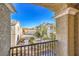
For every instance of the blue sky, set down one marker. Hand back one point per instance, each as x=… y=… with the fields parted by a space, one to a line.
x=31 y=15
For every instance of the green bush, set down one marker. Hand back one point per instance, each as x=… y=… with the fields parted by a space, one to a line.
x=31 y=40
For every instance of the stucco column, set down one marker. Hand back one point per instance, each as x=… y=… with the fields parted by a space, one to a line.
x=76 y=36
x=5 y=29
x=65 y=31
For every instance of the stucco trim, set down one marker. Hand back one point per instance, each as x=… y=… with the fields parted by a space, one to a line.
x=10 y=7
x=68 y=10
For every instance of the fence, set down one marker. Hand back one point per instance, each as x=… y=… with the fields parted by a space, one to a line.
x=37 y=49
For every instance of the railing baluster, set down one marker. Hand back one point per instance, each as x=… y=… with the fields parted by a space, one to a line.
x=52 y=48
x=31 y=50
x=45 y=49
x=25 y=51
x=12 y=51
x=39 y=49
x=28 y=50
x=48 y=49
x=20 y=51
x=34 y=51
x=16 y=51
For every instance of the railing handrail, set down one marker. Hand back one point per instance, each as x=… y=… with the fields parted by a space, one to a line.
x=33 y=44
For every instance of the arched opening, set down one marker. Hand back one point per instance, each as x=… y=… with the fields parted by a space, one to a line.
x=33 y=17
x=38 y=22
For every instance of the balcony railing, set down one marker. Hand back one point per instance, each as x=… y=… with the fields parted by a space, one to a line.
x=37 y=49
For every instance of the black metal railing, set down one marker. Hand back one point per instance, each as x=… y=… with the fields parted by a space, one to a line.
x=37 y=49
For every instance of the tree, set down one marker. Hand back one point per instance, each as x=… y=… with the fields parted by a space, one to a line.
x=31 y=40
x=53 y=36
x=41 y=32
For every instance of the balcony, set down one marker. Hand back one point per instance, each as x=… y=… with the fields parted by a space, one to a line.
x=38 y=49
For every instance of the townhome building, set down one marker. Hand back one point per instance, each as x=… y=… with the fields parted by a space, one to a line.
x=16 y=32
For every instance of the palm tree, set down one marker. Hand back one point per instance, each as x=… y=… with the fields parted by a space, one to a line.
x=41 y=32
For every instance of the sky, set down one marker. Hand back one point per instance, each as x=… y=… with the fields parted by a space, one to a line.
x=31 y=15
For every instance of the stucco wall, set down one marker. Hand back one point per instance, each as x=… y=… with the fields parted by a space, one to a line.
x=5 y=37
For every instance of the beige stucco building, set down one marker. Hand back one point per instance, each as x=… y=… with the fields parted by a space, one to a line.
x=5 y=33
x=16 y=32
x=26 y=34
x=28 y=31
